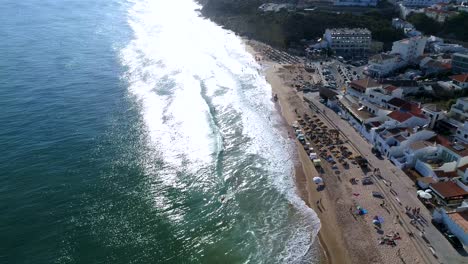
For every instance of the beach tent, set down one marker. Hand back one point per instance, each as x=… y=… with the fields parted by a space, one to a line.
x=361 y=211
x=317 y=180
x=424 y=195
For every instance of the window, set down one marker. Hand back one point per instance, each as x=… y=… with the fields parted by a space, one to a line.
x=465 y=136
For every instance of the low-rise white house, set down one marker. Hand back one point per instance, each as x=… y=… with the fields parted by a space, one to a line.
x=462 y=132
x=459 y=110
x=456 y=221
x=433 y=113
x=448 y=48
x=384 y=64
x=404 y=52
x=460 y=81
x=358 y=88
x=399 y=23
x=394 y=142
x=435 y=66
x=407 y=119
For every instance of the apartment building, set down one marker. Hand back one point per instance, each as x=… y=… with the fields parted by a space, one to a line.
x=349 y=41
x=422 y=3
x=460 y=63
x=355 y=2
x=409 y=49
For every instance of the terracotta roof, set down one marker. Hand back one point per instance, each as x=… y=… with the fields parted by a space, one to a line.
x=363 y=84
x=448 y=189
x=400 y=116
x=390 y=88
x=460 y=148
x=463 y=168
x=460 y=77
x=460 y=218
x=398 y=102
x=442 y=140
x=420 y=145
x=376 y=124
x=427 y=180
x=400 y=138
x=412 y=108
x=446 y=174
x=381 y=57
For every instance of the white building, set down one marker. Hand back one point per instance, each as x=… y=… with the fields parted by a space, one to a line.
x=409 y=49
x=399 y=23
x=393 y=142
x=433 y=113
x=384 y=64
x=348 y=41
x=460 y=63
x=355 y=2
x=422 y=3
x=448 y=48
x=358 y=88
x=459 y=110
x=460 y=81
x=462 y=133
x=456 y=221
x=407 y=119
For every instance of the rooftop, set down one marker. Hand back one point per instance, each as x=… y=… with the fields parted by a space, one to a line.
x=460 y=218
x=363 y=84
x=463 y=78
x=461 y=55
x=382 y=57
x=448 y=189
x=420 y=145
x=432 y=108
x=460 y=149
x=400 y=138
x=397 y=102
x=400 y=116
x=349 y=31
x=446 y=174
x=390 y=88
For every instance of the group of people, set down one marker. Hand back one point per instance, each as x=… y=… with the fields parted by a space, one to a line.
x=413 y=211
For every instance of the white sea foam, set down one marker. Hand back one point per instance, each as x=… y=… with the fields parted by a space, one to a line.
x=174 y=45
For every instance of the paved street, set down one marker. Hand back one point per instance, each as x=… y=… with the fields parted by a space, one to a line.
x=403 y=187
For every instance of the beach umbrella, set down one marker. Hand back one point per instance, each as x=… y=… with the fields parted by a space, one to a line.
x=424 y=195
x=317 y=180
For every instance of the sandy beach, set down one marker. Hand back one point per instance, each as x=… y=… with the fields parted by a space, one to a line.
x=288 y=101
x=345 y=236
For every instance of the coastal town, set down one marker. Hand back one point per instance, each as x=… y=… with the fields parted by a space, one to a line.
x=382 y=137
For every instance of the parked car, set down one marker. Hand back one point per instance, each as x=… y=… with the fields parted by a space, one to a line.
x=378 y=195
x=453 y=240
x=367 y=181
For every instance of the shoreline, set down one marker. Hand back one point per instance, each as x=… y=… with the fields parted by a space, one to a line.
x=346 y=208
x=329 y=235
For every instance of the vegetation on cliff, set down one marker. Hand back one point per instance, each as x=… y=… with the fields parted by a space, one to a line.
x=286 y=29
x=454 y=28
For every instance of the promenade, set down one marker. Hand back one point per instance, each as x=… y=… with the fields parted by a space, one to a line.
x=399 y=191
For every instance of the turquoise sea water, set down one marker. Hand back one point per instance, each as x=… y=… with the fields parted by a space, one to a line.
x=138 y=132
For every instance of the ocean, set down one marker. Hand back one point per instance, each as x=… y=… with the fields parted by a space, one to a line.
x=139 y=132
